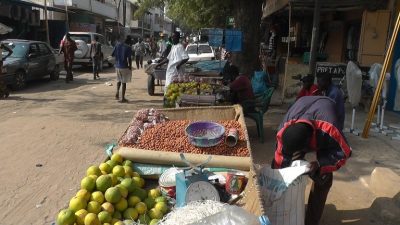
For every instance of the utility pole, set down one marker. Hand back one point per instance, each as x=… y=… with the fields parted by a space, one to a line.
x=124 y=13
x=66 y=16
x=46 y=22
x=314 y=39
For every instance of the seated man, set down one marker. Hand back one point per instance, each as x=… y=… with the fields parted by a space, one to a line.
x=311 y=125
x=241 y=88
x=309 y=88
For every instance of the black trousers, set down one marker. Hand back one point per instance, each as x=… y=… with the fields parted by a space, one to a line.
x=316 y=201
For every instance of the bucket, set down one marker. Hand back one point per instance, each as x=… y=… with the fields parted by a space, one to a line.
x=167 y=182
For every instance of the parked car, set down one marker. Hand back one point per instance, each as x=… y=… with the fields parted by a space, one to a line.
x=82 y=54
x=200 y=52
x=29 y=60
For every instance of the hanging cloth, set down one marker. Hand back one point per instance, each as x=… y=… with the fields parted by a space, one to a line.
x=233 y=40
x=354 y=83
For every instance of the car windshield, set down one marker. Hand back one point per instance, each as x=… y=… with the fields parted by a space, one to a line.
x=83 y=37
x=192 y=49
x=19 y=49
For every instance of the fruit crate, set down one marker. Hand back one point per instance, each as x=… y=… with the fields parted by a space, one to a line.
x=250 y=199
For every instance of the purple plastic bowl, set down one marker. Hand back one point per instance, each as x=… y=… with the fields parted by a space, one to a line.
x=205 y=134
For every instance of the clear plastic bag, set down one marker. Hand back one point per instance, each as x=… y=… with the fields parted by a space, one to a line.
x=233 y=215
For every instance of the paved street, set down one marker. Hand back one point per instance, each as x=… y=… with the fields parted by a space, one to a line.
x=51 y=132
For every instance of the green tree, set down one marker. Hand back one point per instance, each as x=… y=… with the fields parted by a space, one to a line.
x=197 y=14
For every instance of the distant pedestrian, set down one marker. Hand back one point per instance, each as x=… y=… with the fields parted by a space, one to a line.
x=4 y=92
x=309 y=88
x=329 y=89
x=96 y=54
x=68 y=47
x=123 y=66
x=176 y=58
x=140 y=50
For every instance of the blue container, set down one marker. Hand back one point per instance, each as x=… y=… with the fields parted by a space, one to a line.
x=205 y=134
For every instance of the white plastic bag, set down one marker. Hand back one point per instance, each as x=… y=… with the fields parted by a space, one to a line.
x=283 y=193
x=354 y=83
x=232 y=215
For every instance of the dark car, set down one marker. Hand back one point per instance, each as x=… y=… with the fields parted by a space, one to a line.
x=30 y=60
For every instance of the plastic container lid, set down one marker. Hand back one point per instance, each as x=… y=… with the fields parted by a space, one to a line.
x=167 y=179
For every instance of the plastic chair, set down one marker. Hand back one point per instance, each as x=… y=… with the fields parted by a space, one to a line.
x=255 y=110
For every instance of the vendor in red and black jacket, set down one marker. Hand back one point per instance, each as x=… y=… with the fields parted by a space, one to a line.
x=311 y=125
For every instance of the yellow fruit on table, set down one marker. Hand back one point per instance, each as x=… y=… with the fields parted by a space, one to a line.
x=155 y=214
x=106 y=223
x=142 y=182
x=128 y=170
x=80 y=216
x=97 y=196
x=118 y=171
x=162 y=206
x=103 y=183
x=104 y=217
x=123 y=190
x=112 y=164
x=129 y=184
x=117 y=215
x=119 y=223
x=136 y=181
x=117 y=158
x=141 y=193
x=154 y=221
x=66 y=217
x=92 y=219
x=121 y=205
x=144 y=219
x=94 y=177
x=141 y=208
x=88 y=183
x=105 y=167
x=133 y=200
x=135 y=174
x=93 y=170
x=149 y=202
x=114 y=179
x=161 y=199
x=83 y=193
x=127 y=163
x=93 y=207
x=77 y=203
x=154 y=193
x=131 y=214
x=113 y=195
x=106 y=206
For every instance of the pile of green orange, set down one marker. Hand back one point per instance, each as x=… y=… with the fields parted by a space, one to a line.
x=112 y=193
x=175 y=90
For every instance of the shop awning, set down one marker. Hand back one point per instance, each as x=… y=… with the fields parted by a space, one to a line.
x=273 y=6
x=36 y=5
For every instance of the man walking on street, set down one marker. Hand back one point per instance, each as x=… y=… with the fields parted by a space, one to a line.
x=123 y=66
x=311 y=125
x=140 y=50
x=95 y=53
x=68 y=47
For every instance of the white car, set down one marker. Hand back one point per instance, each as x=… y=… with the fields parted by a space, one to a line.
x=200 y=52
x=82 y=54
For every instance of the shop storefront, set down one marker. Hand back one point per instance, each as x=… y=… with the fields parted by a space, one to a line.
x=349 y=30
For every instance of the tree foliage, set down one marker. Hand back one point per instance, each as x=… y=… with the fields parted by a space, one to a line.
x=191 y=13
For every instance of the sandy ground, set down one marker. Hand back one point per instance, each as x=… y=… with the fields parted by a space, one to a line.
x=51 y=132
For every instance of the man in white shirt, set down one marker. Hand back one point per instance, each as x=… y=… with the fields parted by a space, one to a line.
x=177 y=57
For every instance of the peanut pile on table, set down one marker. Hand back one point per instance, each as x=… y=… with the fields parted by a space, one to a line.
x=170 y=136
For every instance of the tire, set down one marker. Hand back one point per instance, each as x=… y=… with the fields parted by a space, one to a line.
x=55 y=74
x=150 y=85
x=19 y=80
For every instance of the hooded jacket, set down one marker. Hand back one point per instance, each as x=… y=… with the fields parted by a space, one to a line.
x=327 y=141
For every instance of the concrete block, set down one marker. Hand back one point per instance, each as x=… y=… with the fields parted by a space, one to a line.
x=384 y=182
